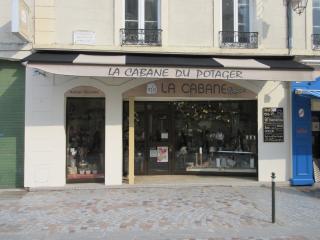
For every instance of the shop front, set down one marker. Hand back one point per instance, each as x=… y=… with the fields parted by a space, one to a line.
x=207 y=127
x=85 y=135
x=98 y=118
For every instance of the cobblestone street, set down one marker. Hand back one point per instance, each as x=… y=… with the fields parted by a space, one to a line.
x=185 y=212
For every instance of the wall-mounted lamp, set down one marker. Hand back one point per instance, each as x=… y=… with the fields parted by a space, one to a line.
x=299 y=5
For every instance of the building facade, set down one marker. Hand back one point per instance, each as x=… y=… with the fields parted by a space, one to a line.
x=12 y=94
x=122 y=88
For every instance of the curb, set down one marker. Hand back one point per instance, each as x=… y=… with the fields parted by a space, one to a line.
x=148 y=186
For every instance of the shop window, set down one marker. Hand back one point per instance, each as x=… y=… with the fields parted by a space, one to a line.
x=85 y=131
x=193 y=137
x=216 y=136
x=142 y=24
x=236 y=25
x=316 y=24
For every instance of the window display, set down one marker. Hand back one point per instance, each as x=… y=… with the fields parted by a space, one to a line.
x=85 y=139
x=193 y=137
x=216 y=136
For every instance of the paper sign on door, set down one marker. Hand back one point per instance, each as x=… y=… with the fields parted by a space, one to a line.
x=163 y=154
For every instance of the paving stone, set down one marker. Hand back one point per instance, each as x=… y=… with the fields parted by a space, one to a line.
x=210 y=212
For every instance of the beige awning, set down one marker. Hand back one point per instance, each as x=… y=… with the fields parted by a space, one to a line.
x=157 y=66
x=173 y=72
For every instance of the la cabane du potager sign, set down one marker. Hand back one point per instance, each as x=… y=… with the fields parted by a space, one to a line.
x=160 y=72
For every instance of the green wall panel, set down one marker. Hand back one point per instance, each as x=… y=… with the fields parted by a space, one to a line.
x=12 y=89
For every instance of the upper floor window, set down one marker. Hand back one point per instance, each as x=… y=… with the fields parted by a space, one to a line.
x=142 y=22
x=235 y=15
x=236 y=25
x=316 y=24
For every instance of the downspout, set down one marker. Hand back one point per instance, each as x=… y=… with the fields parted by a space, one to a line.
x=289 y=27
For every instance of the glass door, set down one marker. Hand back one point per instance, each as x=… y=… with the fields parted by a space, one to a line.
x=159 y=138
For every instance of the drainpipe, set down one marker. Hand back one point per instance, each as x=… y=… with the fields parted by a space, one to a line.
x=289 y=27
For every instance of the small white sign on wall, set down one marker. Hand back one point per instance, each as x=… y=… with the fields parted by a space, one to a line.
x=84 y=38
x=152 y=88
x=20 y=19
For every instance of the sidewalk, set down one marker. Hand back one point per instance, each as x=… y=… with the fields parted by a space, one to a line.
x=176 y=212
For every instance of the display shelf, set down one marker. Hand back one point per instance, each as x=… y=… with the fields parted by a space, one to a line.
x=231 y=170
x=85 y=176
x=234 y=152
x=225 y=161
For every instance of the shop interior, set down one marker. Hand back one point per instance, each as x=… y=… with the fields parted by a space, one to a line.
x=193 y=137
x=85 y=130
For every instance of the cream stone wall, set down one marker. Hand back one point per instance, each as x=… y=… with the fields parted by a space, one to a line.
x=274 y=157
x=189 y=26
x=190 y=23
x=11 y=46
x=85 y=15
x=271 y=24
x=45 y=137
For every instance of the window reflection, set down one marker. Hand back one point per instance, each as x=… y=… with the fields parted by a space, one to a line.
x=212 y=135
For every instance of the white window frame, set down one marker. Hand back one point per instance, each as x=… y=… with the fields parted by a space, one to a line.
x=141 y=14
x=318 y=23
x=235 y=15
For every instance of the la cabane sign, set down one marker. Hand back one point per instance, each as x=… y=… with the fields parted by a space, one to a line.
x=160 y=72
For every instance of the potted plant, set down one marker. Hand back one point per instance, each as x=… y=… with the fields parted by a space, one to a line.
x=94 y=169
x=81 y=170
x=88 y=171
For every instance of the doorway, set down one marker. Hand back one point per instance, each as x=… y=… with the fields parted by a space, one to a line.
x=85 y=132
x=316 y=144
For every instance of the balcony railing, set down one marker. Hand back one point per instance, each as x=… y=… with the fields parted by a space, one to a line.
x=141 y=37
x=230 y=39
x=316 y=41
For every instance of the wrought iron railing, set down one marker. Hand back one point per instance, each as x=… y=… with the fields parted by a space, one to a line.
x=316 y=41
x=229 y=39
x=141 y=37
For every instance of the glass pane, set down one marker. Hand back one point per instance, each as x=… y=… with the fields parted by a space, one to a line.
x=243 y=16
x=159 y=142
x=85 y=138
x=131 y=10
x=316 y=30
x=151 y=10
x=215 y=135
x=316 y=3
x=316 y=20
x=151 y=25
x=131 y=33
x=227 y=15
x=139 y=138
x=131 y=25
x=139 y=156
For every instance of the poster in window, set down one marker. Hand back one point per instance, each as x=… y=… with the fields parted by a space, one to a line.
x=163 y=154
